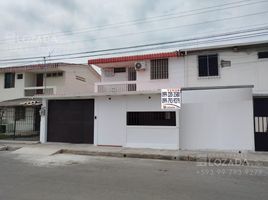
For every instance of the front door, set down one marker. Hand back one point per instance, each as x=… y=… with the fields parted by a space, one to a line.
x=261 y=124
x=39 y=83
x=132 y=75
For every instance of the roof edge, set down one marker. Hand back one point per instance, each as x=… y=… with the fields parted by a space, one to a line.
x=134 y=57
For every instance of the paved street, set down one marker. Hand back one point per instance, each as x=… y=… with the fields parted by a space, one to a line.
x=31 y=177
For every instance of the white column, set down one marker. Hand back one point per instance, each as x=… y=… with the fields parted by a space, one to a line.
x=43 y=122
x=178 y=127
x=95 y=87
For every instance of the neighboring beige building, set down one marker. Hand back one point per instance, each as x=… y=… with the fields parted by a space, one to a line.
x=22 y=87
x=50 y=79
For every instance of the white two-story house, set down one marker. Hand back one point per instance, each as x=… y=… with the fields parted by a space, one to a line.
x=224 y=101
x=22 y=87
x=227 y=66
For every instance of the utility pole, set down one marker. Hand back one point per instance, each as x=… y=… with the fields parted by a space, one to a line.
x=45 y=65
x=45 y=76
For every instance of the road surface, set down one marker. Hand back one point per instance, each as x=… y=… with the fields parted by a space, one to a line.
x=64 y=177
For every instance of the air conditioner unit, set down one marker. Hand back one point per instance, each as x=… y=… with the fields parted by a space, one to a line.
x=140 y=66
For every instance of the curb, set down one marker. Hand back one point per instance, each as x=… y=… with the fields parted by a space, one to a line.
x=9 y=148
x=205 y=159
x=18 y=142
x=118 y=154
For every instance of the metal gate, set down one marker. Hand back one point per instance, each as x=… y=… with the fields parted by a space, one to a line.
x=20 y=122
x=71 y=121
x=261 y=123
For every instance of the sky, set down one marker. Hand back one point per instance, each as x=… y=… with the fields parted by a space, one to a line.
x=51 y=27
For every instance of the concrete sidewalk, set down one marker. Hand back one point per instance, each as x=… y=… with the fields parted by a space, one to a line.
x=212 y=157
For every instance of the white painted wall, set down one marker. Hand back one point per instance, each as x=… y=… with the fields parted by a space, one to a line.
x=246 y=69
x=175 y=80
x=111 y=120
x=144 y=82
x=30 y=79
x=166 y=137
x=123 y=76
x=43 y=121
x=215 y=119
x=11 y=93
x=219 y=119
x=111 y=128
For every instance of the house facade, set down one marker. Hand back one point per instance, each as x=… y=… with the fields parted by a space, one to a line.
x=224 y=101
x=49 y=79
x=230 y=66
x=22 y=87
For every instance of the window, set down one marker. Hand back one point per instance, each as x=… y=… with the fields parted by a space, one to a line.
x=19 y=76
x=159 y=69
x=9 y=80
x=119 y=70
x=263 y=54
x=208 y=65
x=19 y=112
x=151 y=118
x=54 y=74
x=108 y=72
x=80 y=78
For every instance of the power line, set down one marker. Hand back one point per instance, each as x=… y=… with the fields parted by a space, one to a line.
x=155 y=30
x=142 y=47
x=145 y=45
x=257 y=26
x=147 y=49
x=133 y=51
x=144 y=20
x=163 y=43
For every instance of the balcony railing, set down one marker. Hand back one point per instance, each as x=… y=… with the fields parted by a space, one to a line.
x=39 y=91
x=120 y=86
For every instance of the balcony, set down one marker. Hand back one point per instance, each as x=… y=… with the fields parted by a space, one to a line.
x=39 y=91
x=120 y=86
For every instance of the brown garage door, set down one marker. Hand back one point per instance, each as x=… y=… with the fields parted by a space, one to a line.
x=71 y=121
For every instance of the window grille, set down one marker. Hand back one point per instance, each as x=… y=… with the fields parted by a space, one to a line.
x=164 y=118
x=159 y=69
x=119 y=70
x=263 y=54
